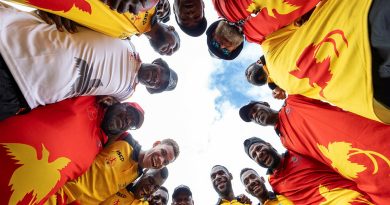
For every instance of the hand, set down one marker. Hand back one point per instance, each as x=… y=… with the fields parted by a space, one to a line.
x=106 y=100
x=244 y=199
x=134 y=57
x=279 y=93
x=60 y=22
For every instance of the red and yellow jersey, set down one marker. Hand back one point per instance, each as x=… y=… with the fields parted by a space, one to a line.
x=113 y=169
x=47 y=147
x=97 y=16
x=353 y=146
x=280 y=200
x=304 y=180
x=328 y=58
x=271 y=16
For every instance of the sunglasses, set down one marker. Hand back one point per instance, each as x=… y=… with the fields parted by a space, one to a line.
x=216 y=45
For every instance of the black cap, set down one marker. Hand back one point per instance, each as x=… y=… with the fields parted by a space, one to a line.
x=244 y=111
x=250 y=141
x=180 y=189
x=217 y=52
x=168 y=74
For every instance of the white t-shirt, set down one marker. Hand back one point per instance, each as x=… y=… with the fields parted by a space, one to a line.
x=50 y=66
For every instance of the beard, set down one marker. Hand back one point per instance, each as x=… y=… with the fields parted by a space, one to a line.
x=275 y=162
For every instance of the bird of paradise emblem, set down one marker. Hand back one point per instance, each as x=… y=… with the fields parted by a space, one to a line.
x=35 y=176
x=275 y=6
x=315 y=65
x=340 y=152
x=342 y=196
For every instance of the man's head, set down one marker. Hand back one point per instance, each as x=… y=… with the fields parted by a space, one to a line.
x=254 y=184
x=163 y=10
x=164 y=39
x=190 y=16
x=161 y=154
x=222 y=180
x=224 y=40
x=182 y=195
x=157 y=76
x=260 y=113
x=149 y=182
x=160 y=197
x=255 y=74
x=262 y=153
x=120 y=117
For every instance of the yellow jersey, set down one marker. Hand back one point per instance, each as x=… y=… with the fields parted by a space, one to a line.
x=328 y=58
x=113 y=169
x=97 y=16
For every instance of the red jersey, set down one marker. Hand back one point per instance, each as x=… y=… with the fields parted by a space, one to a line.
x=43 y=149
x=304 y=180
x=273 y=15
x=354 y=146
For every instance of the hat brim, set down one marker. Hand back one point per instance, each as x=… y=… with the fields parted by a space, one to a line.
x=181 y=190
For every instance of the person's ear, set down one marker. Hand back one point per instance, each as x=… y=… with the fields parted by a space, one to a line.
x=156 y=143
x=262 y=179
x=231 y=176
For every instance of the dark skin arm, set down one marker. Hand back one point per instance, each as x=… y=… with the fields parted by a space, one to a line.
x=244 y=199
x=122 y=6
x=60 y=22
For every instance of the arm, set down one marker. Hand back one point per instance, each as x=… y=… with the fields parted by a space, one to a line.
x=59 y=21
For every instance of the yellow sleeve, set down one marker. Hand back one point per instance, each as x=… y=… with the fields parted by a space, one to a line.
x=96 y=15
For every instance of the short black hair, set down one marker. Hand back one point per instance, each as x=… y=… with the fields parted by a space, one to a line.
x=220 y=166
x=245 y=170
x=164 y=189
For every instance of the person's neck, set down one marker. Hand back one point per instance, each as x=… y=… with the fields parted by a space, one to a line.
x=153 y=31
x=263 y=198
x=230 y=196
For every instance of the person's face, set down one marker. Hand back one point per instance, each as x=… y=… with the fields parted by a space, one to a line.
x=183 y=199
x=188 y=12
x=227 y=36
x=221 y=180
x=255 y=76
x=264 y=154
x=118 y=118
x=165 y=42
x=159 y=156
x=263 y=115
x=152 y=75
x=254 y=184
x=160 y=197
x=148 y=184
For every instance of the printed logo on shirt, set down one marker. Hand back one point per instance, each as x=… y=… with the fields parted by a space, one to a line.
x=83 y=84
x=63 y=5
x=119 y=153
x=145 y=20
x=315 y=61
x=280 y=6
x=110 y=160
x=121 y=195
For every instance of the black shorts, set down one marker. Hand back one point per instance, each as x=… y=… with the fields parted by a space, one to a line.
x=12 y=101
x=379 y=25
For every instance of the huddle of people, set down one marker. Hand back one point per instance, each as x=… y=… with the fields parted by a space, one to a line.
x=65 y=119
